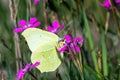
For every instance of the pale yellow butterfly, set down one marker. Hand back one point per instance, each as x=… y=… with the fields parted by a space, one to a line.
x=43 y=46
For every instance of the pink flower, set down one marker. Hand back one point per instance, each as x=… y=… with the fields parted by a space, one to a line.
x=106 y=3
x=117 y=1
x=77 y=41
x=36 y=1
x=21 y=72
x=72 y=44
x=55 y=27
x=24 y=25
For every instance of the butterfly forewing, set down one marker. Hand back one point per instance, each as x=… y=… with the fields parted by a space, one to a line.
x=37 y=37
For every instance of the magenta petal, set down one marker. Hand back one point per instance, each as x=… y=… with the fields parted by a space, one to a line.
x=34 y=65
x=77 y=49
x=50 y=28
x=68 y=38
x=55 y=27
x=36 y=24
x=117 y=1
x=20 y=74
x=61 y=26
x=55 y=24
x=64 y=48
x=32 y=20
x=105 y=4
x=71 y=45
x=36 y=1
x=78 y=40
x=18 y=30
x=22 y=23
x=26 y=67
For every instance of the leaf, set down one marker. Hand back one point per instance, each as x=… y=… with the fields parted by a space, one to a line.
x=43 y=46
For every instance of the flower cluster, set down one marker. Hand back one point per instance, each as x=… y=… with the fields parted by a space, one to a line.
x=71 y=44
x=55 y=27
x=21 y=73
x=106 y=3
x=24 y=25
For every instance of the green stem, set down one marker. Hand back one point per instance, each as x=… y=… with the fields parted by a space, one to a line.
x=90 y=42
x=104 y=54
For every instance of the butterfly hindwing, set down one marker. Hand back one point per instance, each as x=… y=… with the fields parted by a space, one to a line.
x=49 y=60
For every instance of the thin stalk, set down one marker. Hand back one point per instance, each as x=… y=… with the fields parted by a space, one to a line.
x=78 y=62
x=2 y=74
x=63 y=68
x=92 y=17
x=107 y=22
x=57 y=75
x=3 y=42
x=32 y=75
x=119 y=72
x=78 y=65
x=28 y=10
x=99 y=11
x=104 y=50
x=74 y=28
x=44 y=13
x=81 y=65
x=13 y=11
x=30 y=7
x=115 y=17
x=99 y=54
x=17 y=50
x=92 y=72
x=104 y=54
x=90 y=42
x=65 y=71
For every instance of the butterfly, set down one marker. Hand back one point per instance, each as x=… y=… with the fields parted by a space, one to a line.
x=43 y=47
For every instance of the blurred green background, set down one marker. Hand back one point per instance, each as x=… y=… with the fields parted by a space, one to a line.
x=99 y=27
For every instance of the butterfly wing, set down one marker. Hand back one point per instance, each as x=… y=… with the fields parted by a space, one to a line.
x=49 y=59
x=37 y=37
x=43 y=46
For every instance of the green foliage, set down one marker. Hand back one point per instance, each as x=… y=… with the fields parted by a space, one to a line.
x=81 y=17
